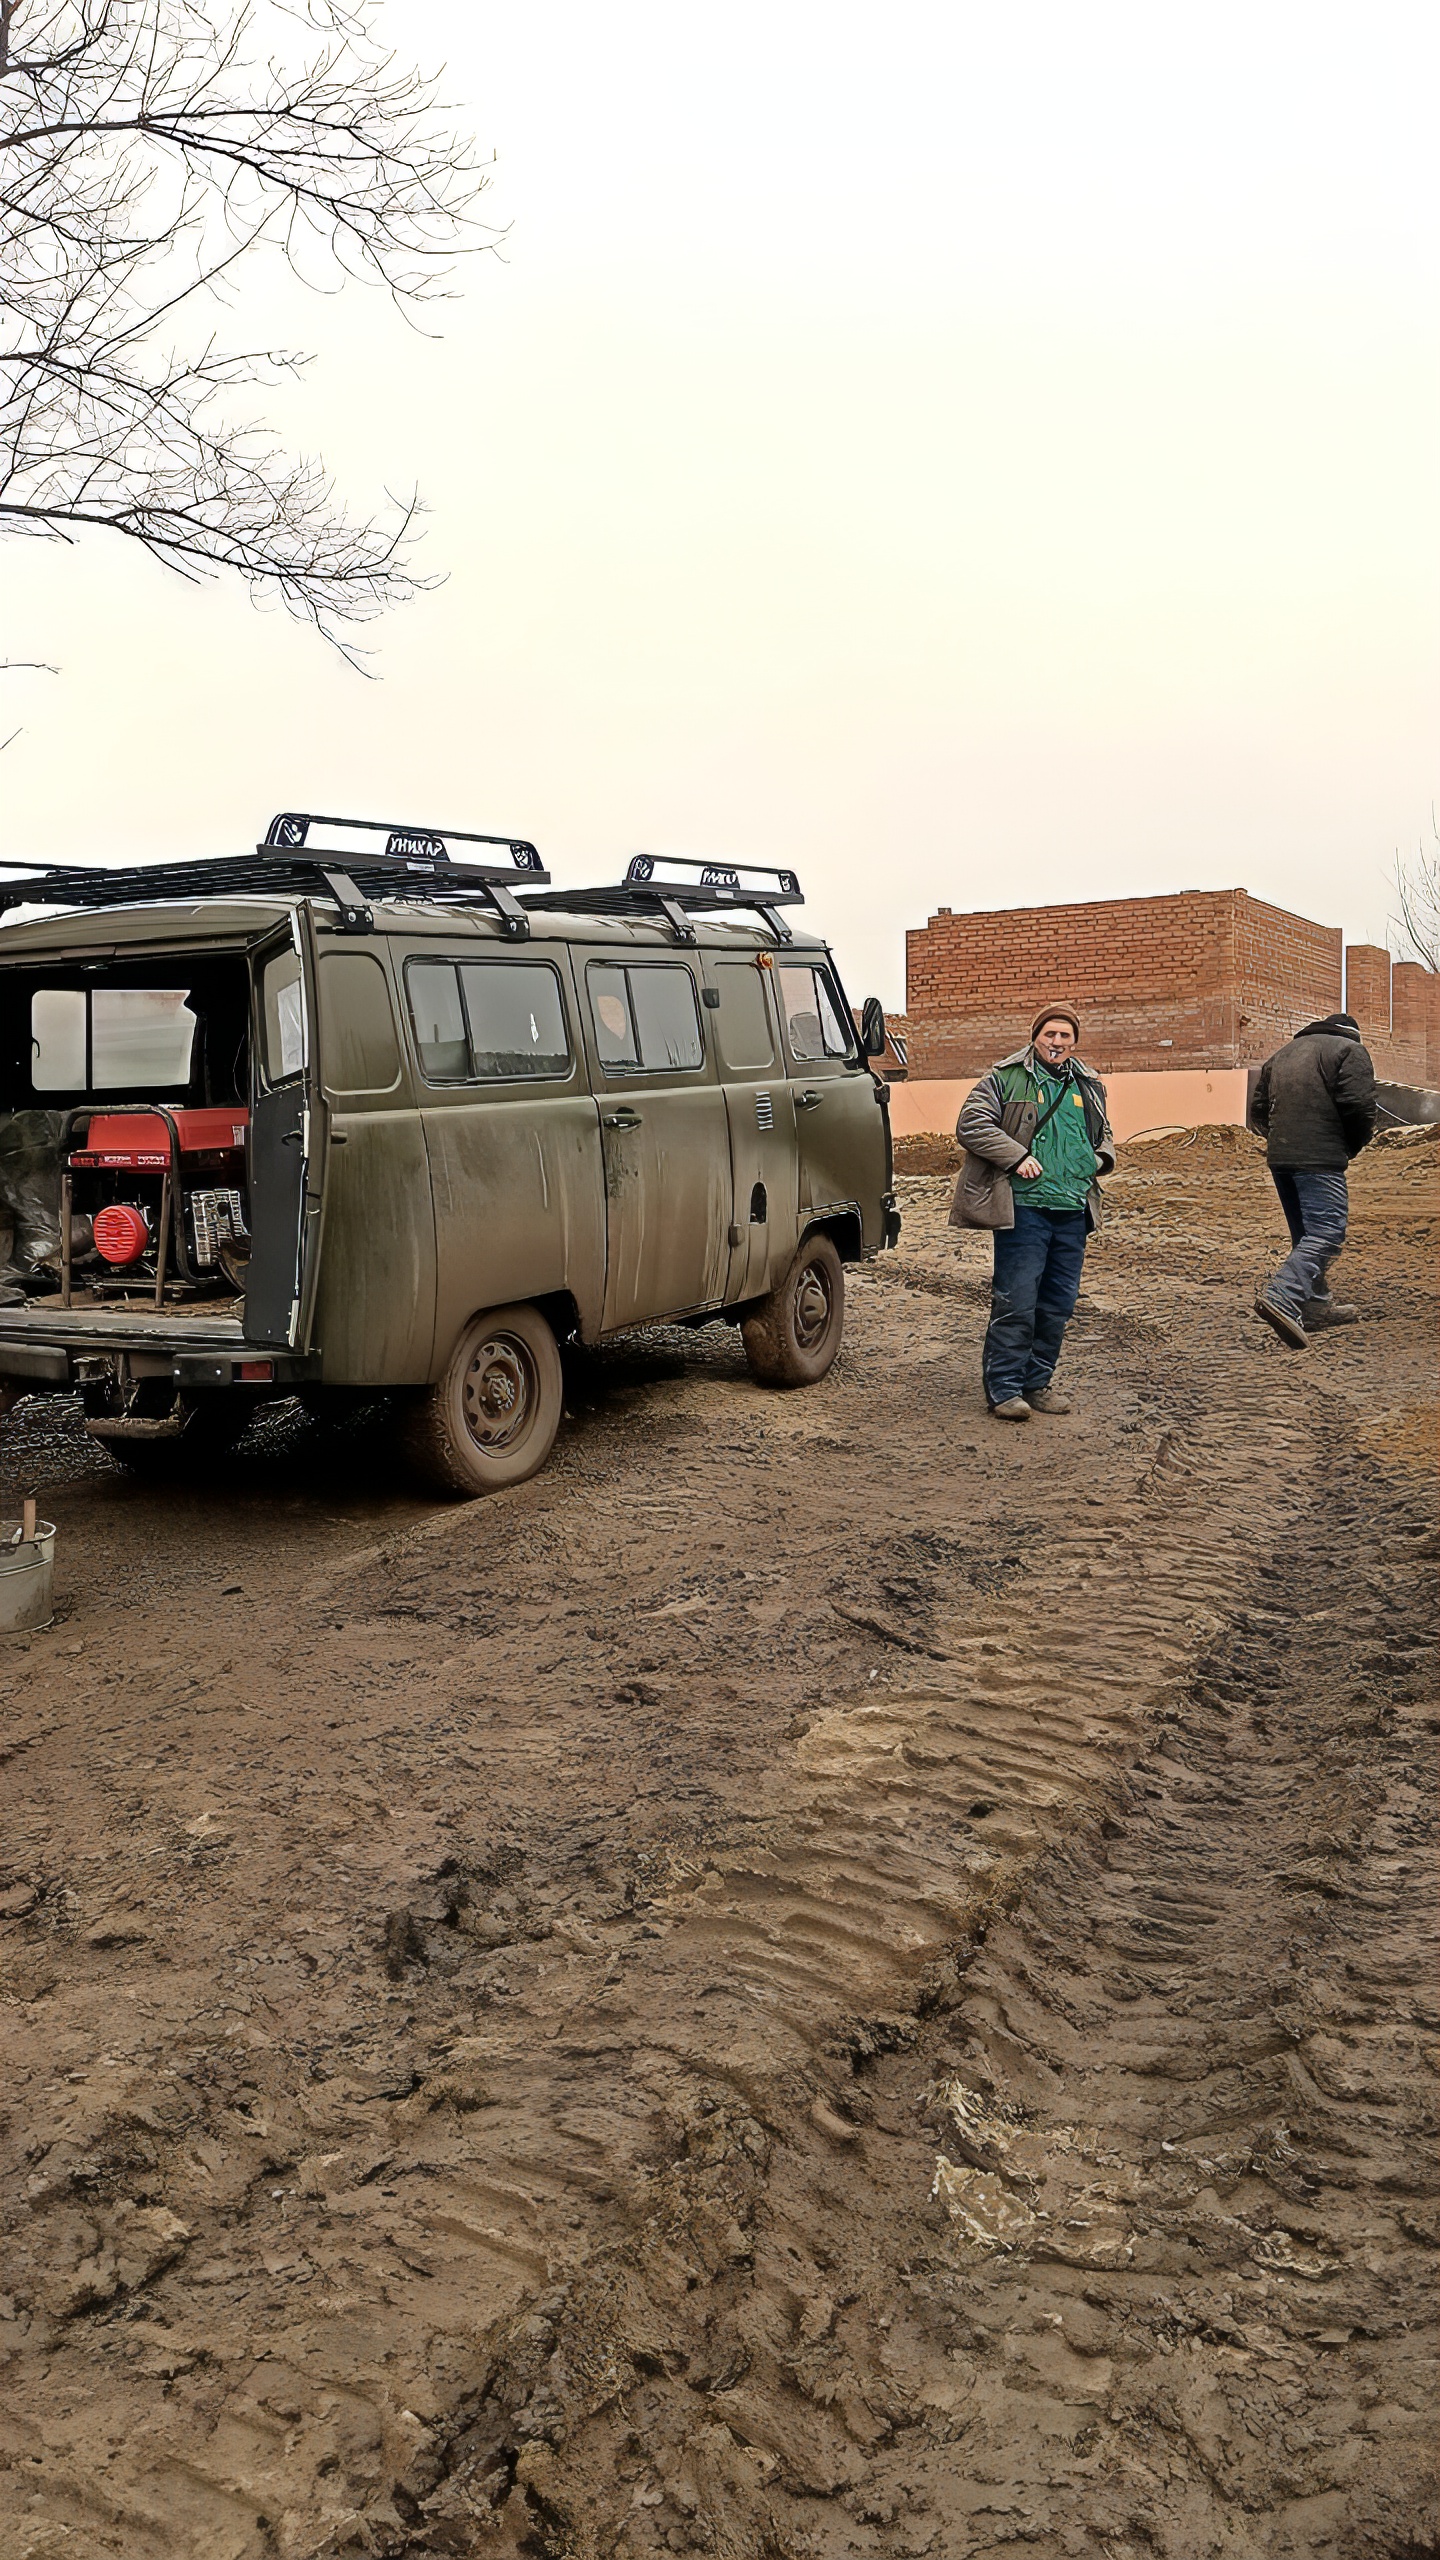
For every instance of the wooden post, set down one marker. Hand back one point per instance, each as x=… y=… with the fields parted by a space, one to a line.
x=66 y=1190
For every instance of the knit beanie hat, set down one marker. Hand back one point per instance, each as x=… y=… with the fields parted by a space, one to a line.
x=1055 y=1013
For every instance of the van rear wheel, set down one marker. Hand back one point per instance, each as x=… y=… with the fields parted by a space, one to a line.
x=491 y=1419
x=792 y=1336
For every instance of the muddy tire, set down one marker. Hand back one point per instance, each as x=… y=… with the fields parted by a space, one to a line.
x=491 y=1419
x=793 y=1335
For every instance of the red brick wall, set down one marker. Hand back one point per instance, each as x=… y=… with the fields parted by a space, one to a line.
x=1207 y=978
x=1367 y=991
x=1287 y=972
x=1398 y=1010
x=1415 y=1018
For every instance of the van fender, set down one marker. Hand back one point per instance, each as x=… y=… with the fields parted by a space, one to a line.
x=841 y=1221
x=557 y=1306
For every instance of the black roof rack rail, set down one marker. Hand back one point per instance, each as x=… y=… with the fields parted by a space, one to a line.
x=416 y=863
x=717 y=888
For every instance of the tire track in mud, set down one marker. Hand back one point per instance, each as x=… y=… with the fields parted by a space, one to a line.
x=638 y=2237
x=724 y=2453
x=828 y=1947
x=1253 y=2168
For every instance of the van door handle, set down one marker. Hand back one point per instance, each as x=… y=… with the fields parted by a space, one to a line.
x=810 y=1100
x=622 y=1119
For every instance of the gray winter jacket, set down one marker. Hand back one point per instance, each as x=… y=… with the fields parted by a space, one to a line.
x=995 y=1127
x=1314 y=1101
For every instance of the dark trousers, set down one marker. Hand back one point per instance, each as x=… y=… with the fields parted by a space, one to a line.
x=1317 y=1209
x=1038 y=1263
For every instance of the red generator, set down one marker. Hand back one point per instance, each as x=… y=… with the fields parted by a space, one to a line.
x=159 y=1194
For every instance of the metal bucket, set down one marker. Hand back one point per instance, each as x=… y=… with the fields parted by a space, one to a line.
x=27 y=1574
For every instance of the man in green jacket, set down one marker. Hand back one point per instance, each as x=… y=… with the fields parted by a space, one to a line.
x=1036 y=1136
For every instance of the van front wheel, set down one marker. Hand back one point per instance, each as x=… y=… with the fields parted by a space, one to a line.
x=491 y=1419
x=792 y=1336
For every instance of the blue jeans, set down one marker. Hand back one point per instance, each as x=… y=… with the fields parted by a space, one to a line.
x=1038 y=1263
x=1316 y=1207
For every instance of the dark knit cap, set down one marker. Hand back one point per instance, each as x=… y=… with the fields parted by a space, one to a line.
x=1055 y=1013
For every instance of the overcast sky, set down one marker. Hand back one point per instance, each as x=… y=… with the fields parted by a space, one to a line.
x=979 y=456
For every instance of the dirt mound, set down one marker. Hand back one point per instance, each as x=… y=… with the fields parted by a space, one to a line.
x=1213 y=1142
x=1424 y=1134
x=926 y=1152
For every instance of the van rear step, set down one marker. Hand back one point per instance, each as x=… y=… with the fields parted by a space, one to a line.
x=41 y=1349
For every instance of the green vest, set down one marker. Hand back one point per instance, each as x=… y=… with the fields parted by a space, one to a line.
x=1062 y=1146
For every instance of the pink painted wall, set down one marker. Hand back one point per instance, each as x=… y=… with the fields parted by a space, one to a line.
x=1177 y=1097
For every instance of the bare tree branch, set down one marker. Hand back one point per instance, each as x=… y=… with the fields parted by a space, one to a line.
x=147 y=149
x=1417 y=888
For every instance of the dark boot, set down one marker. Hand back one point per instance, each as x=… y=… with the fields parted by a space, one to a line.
x=1322 y=1311
x=1281 y=1321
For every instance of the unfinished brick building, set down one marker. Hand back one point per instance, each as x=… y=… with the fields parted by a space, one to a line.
x=1397 y=1005
x=1208 y=978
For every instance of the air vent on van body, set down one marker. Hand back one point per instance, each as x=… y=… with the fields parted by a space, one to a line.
x=764 y=1111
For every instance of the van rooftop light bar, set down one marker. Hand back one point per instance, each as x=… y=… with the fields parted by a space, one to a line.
x=708 y=888
x=416 y=862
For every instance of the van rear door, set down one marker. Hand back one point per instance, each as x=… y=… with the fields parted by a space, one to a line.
x=287 y=1143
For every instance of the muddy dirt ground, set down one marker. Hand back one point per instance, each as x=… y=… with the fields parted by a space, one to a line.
x=827 y=1978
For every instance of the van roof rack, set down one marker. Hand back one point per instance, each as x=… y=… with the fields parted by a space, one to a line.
x=416 y=862
x=716 y=888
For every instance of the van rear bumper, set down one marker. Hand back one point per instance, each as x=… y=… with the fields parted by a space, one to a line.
x=44 y=1350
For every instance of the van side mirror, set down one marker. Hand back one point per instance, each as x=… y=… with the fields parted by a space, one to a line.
x=872 y=1027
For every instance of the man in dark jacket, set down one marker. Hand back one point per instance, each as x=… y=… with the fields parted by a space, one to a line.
x=1314 y=1104
x=1035 y=1135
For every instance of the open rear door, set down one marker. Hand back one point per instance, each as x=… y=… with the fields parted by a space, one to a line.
x=287 y=1144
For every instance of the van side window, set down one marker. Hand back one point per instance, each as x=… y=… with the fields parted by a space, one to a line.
x=813 y=1025
x=517 y=1020
x=282 y=1011
x=744 y=1026
x=433 y=987
x=487 y=1021
x=666 y=1017
x=615 y=1039
x=647 y=1016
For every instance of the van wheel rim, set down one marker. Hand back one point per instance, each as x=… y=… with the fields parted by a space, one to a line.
x=500 y=1392
x=812 y=1307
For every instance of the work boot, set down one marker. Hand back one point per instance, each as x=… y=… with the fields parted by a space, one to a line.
x=1322 y=1311
x=1281 y=1321
x=1014 y=1409
x=1047 y=1400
